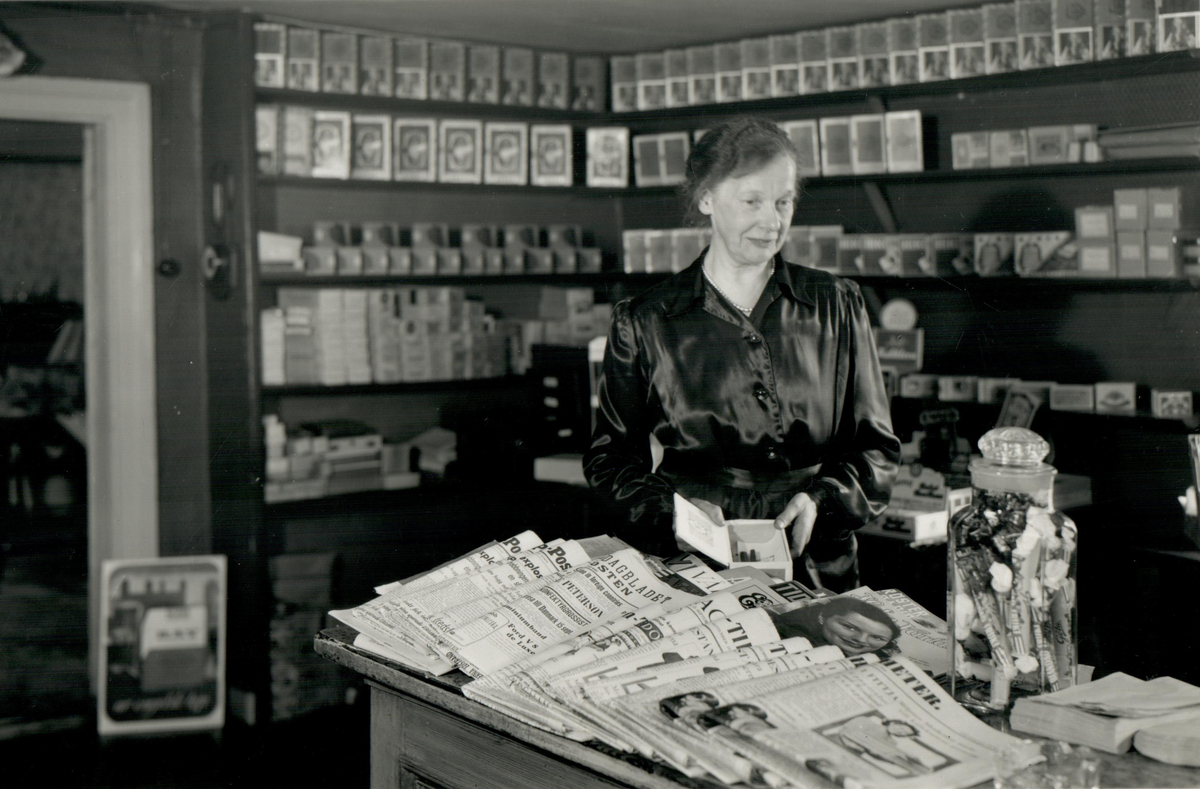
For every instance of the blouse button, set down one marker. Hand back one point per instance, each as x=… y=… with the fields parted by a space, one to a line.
x=753 y=339
x=772 y=454
x=760 y=392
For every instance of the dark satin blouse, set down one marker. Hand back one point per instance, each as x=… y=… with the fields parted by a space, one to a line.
x=749 y=411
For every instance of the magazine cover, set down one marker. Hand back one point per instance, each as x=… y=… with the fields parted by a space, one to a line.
x=863 y=621
x=162 y=650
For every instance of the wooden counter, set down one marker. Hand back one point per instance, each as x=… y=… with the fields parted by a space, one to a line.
x=426 y=735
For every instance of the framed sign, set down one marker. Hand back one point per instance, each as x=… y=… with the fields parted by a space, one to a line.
x=550 y=156
x=162 y=648
x=506 y=157
x=608 y=157
x=371 y=156
x=414 y=149
x=460 y=159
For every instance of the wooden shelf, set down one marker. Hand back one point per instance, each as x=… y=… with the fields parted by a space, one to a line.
x=975 y=283
x=1124 y=68
x=1038 y=172
x=418 y=108
x=335 y=281
x=1140 y=420
x=1033 y=172
x=358 y=184
x=406 y=387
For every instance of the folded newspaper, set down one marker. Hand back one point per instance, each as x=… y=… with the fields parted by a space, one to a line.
x=731 y=675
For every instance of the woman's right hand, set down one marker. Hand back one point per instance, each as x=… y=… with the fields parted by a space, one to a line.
x=800 y=514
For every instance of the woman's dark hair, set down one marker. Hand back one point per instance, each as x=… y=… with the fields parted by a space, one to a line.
x=804 y=621
x=738 y=146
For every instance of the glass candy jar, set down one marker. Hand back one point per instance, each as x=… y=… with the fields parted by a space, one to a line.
x=1012 y=568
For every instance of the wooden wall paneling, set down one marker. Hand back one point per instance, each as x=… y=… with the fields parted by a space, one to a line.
x=173 y=58
x=161 y=51
x=236 y=457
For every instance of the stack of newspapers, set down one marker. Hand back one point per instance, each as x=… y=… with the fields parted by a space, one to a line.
x=729 y=675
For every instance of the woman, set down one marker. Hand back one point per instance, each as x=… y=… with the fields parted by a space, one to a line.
x=854 y=626
x=759 y=378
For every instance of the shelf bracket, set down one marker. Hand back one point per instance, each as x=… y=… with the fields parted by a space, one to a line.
x=879 y=205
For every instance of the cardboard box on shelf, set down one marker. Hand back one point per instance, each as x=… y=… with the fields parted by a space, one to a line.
x=1008 y=148
x=1073 y=397
x=1129 y=209
x=1162 y=255
x=1097 y=258
x=1112 y=397
x=1131 y=254
x=958 y=388
x=1094 y=222
x=1170 y=404
x=920 y=507
x=918 y=386
x=1040 y=254
x=970 y=150
x=1163 y=208
x=994 y=254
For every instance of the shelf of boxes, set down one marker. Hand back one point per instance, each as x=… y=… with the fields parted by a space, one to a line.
x=1099 y=71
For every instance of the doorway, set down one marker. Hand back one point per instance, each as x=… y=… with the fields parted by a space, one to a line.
x=43 y=465
x=118 y=426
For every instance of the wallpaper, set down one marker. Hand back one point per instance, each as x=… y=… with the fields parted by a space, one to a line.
x=41 y=230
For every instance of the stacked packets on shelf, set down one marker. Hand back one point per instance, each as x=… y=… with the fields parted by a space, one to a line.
x=410 y=67
x=962 y=43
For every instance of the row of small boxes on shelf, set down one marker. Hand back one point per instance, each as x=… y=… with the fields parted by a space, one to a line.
x=969 y=42
x=431 y=248
x=1138 y=236
x=1036 y=145
x=1162 y=254
x=410 y=67
x=1109 y=397
x=331 y=458
x=340 y=336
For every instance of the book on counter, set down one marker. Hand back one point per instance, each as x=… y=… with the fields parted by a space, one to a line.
x=1107 y=713
x=1173 y=743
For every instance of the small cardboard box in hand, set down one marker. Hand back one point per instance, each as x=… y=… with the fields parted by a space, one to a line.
x=733 y=543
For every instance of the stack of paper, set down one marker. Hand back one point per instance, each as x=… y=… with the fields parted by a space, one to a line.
x=1105 y=714
x=1173 y=743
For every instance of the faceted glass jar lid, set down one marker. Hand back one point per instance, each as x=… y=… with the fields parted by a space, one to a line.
x=1014 y=446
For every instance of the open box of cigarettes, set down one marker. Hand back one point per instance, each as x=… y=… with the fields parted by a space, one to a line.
x=733 y=543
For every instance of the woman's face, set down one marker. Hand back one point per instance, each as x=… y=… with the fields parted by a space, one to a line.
x=751 y=213
x=854 y=633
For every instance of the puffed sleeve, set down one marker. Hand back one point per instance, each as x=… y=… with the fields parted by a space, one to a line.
x=618 y=464
x=855 y=483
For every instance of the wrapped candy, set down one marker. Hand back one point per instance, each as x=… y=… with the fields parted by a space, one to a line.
x=1013 y=559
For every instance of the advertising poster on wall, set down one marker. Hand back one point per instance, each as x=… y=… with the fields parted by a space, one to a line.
x=162 y=654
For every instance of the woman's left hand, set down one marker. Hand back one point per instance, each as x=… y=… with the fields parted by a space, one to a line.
x=800 y=513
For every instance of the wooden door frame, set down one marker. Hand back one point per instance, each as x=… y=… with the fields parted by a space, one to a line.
x=122 y=440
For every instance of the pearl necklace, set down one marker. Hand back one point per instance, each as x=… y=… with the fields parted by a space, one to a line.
x=744 y=310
